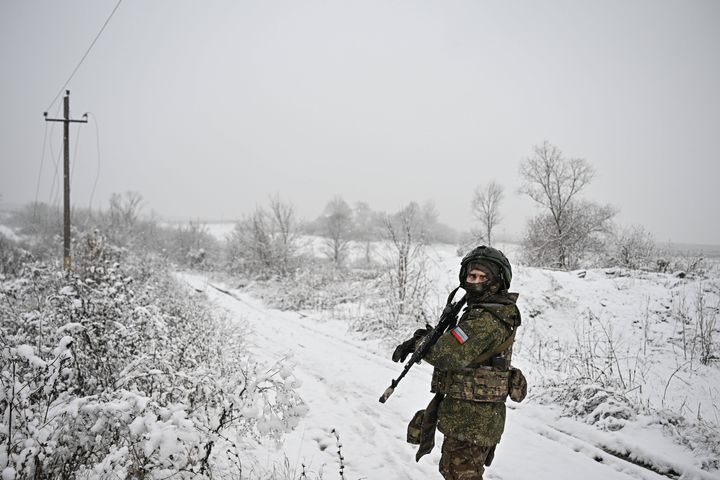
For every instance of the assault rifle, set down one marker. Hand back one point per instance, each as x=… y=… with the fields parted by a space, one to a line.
x=447 y=319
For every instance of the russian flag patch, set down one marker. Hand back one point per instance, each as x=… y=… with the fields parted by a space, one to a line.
x=459 y=335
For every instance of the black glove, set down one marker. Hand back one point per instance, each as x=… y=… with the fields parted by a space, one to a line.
x=403 y=350
x=421 y=332
x=408 y=346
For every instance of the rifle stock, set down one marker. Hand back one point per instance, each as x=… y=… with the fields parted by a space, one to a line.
x=447 y=317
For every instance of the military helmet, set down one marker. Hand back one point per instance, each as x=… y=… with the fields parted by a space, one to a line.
x=487 y=254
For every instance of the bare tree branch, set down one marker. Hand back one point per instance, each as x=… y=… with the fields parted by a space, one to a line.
x=486 y=207
x=568 y=225
x=337 y=226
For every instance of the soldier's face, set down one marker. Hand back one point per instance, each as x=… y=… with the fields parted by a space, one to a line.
x=475 y=277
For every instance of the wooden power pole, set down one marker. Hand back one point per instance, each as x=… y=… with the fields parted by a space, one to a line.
x=66 y=173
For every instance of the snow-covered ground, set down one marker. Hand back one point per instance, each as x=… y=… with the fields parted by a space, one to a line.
x=342 y=377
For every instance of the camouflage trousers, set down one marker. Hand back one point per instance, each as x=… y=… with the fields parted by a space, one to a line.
x=464 y=460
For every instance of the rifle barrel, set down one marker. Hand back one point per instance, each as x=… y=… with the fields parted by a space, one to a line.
x=449 y=313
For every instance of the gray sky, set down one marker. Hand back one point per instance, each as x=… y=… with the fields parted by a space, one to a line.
x=207 y=108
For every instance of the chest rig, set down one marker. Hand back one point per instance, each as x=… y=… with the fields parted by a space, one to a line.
x=488 y=378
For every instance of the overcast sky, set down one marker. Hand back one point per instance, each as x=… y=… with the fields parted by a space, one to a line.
x=208 y=107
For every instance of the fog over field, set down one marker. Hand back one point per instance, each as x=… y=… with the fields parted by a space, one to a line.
x=207 y=110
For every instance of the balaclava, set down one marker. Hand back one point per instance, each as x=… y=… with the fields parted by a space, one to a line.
x=479 y=291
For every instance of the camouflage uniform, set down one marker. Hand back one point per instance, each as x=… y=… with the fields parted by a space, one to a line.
x=481 y=423
x=463 y=460
x=472 y=428
x=472 y=374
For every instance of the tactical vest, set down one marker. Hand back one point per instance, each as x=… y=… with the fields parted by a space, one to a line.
x=484 y=382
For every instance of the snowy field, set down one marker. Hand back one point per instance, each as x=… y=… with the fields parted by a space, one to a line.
x=626 y=328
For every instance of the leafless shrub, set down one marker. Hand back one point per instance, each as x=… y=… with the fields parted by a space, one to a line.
x=697 y=323
x=12 y=256
x=572 y=242
x=685 y=262
x=599 y=355
x=407 y=279
x=691 y=264
x=125 y=209
x=633 y=247
x=191 y=244
x=598 y=378
x=265 y=243
x=323 y=288
x=706 y=323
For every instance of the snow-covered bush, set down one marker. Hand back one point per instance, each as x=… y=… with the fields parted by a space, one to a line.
x=319 y=286
x=606 y=408
x=576 y=242
x=191 y=245
x=114 y=370
x=696 y=310
x=359 y=296
x=264 y=244
x=12 y=256
x=632 y=247
x=407 y=282
x=700 y=436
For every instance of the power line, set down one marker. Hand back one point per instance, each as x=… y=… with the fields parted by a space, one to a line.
x=42 y=160
x=54 y=198
x=52 y=158
x=62 y=89
x=97 y=171
x=74 y=162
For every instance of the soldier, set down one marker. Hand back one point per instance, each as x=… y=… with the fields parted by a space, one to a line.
x=472 y=374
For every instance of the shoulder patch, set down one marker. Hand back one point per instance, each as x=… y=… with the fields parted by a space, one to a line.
x=459 y=335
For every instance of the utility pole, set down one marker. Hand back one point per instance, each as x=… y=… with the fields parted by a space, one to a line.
x=66 y=173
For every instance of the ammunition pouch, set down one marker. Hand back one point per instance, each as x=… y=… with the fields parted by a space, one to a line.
x=427 y=420
x=482 y=384
x=414 y=429
x=518 y=385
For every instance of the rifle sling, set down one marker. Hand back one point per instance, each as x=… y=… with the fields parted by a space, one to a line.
x=489 y=354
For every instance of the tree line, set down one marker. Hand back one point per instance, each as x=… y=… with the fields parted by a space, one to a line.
x=567 y=230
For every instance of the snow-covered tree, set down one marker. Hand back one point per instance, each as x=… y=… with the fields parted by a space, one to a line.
x=486 y=208
x=337 y=222
x=567 y=228
x=408 y=282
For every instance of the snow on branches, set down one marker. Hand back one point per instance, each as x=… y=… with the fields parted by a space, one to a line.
x=117 y=371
